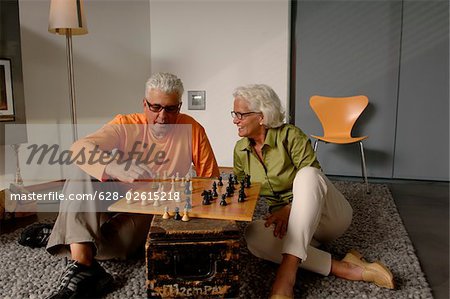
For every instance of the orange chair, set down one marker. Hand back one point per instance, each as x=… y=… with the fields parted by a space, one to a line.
x=338 y=116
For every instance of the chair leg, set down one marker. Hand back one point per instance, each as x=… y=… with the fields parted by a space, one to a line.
x=363 y=165
x=316 y=143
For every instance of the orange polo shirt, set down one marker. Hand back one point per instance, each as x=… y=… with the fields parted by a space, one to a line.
x=129 y=134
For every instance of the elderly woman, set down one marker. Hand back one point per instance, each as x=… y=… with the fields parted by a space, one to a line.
x=305 y=209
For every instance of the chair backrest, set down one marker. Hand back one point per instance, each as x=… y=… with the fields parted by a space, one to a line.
x=338 y=114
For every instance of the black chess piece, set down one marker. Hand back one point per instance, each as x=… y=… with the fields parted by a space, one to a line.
x=235 y=180
x=231 y=185
x=242 y=191
x=223 y=202
x=229 y=191
x=214 y=185
x=214 y=193
x=242 y=196
x=205 y=201
x=220 y=183
x=247 y=181
x=177 y=215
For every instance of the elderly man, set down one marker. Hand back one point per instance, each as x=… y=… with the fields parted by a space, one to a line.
x=126 y=150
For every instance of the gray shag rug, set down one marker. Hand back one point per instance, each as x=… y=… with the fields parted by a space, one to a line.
x=376 y=231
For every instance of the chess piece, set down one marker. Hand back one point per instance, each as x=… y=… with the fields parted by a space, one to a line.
x=185 y=216
x=235 y=180
x=166 y=214
x=188 y=204
x=177 y=215
x=172 y=188
x=165 y=175
x=229 y=191
x=220 y=183
x=155 y=203
x=205 y=201
x=247 y=181
x=182 y=182
x=176 y=195
x=214 y=193
x=177 y=177
x=187 y=188
x=223 y=202
x=231 y=185
x=242 y=196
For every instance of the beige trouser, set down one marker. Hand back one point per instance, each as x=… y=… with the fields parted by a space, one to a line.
x=319 y=214
x=114 y=235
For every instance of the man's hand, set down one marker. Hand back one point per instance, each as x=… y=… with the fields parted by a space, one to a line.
x=280 y=219
x=128 y=171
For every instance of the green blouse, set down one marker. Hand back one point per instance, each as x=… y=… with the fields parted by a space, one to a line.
x=286 y=150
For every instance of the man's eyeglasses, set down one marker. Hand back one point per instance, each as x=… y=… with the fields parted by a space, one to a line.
x=240 y=115
x=158 y=108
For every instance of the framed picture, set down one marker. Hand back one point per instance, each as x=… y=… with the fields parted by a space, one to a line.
x=6 y=91
x=196 y=100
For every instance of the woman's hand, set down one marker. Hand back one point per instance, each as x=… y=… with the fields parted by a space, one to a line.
x=280 y=219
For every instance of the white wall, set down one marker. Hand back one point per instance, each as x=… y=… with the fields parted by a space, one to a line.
x=111 y=65
x=217 y=46
x=211 y=45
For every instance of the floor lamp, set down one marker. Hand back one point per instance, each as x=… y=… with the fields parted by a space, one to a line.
x=67 y=18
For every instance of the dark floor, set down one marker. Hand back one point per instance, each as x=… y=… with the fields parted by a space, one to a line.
x=424 y=209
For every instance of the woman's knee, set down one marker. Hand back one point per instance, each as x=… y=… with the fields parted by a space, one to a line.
x=307 y=174
x=254 y=235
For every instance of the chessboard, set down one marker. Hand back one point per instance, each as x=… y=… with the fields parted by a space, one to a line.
x=158 y=197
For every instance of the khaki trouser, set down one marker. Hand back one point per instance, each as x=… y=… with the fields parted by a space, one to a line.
x=319 y=214
x=114 y=235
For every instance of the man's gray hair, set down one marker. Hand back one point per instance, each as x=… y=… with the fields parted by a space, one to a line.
x=262 y=98
x=166 y=83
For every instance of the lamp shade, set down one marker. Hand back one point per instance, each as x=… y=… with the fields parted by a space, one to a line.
x=65 y=15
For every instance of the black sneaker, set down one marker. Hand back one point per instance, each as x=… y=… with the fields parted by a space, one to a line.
x=80 y=281
x=36 y=235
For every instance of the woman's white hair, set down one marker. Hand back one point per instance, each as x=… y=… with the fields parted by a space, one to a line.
x=164 y=82
x=262 y=98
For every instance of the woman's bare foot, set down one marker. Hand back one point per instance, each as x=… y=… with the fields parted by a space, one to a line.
x=285 y=278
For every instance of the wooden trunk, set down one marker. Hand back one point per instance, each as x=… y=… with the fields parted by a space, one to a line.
x=194 y=259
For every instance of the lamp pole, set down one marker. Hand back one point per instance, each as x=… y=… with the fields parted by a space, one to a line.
x=73 y=107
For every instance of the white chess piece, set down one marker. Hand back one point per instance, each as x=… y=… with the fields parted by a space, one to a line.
x=185 y=216
x=182 y=182
x=172 y=188
x=156 y=203
x=177 y=177
x=166 y=214
x=144 y=202
x=165 y=175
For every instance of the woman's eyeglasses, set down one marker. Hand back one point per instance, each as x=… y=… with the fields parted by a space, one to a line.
x=240 y=115
x=158 y=108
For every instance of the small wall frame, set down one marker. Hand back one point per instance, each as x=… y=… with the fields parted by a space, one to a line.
x=6 y=91
x=196 y=100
